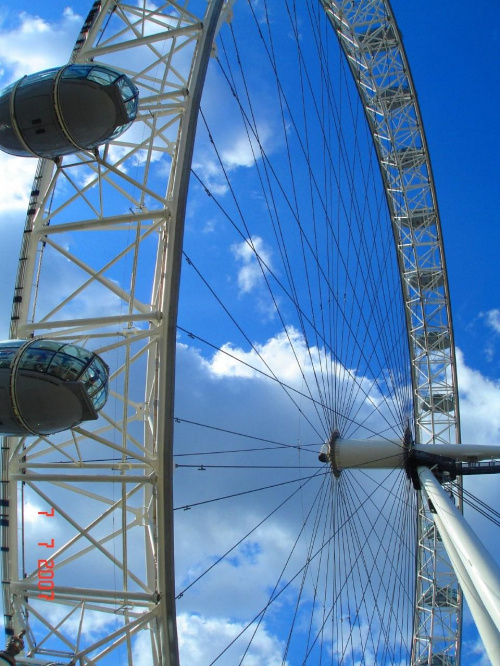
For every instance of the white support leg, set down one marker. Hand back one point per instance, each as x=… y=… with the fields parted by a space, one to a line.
x=477 y=572
x=489 y=632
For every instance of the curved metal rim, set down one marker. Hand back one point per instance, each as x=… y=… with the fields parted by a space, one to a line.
x=370 y=39
x=159 y=615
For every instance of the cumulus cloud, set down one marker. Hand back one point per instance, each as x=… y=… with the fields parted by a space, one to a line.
x=33 y=44
x=19 y=174
x=210 y=173
x=242 y=582
x=214 y=614
x=277 y=355
x=236 y=148
x=243 y=579
x=480 y=419
x=479 y=401
x=202 y=639
x=29 y=45
x=254 y=258
x=242 y=138
x=492 y=319
x=244 y=150
x=474 y=651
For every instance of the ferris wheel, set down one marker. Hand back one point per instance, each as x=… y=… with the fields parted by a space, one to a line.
x=314 y=321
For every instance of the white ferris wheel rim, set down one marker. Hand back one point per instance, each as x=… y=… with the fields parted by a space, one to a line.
x=430 y=398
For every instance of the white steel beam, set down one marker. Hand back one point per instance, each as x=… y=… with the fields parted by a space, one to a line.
x=92 y=322
x=147 y=40
x=489 y=632
x=481 y=583
x=170 y=280
x=94 y=192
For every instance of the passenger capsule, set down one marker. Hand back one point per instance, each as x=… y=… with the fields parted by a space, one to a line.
x=48 y=386
x=64 y=110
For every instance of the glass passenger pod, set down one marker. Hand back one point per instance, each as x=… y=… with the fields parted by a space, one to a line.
x=63 y=110
x=48 y=386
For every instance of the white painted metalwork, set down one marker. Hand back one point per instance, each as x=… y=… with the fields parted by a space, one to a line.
x=477 y=571
x=103 y=529
x=388 y=454
x=370 y=38
x=118 y=193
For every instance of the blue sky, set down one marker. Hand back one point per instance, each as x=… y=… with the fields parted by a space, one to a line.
x=454 y=62
x=455 y=68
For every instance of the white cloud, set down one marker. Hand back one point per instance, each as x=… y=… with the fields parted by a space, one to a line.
x=475 y=652
x=255 y=259
x=242 y=580
x=94 y=300
x=93 y=625
x=237 y=144
x=11 y=226
x=34 y=44
x=241 y=583
x=492 y=318
x=236 y=149
x=210 y=173
x=245 y=150
x=202 y=639
x=275 y=353
x=480 y=419
x=288 y=357
x=479 y=405
x=19 y=174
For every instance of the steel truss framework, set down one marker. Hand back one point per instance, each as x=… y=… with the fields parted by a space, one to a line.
x=115 y=194
x=126 y=486
x=370 y=38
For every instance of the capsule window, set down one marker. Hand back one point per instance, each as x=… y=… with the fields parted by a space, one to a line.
x=118 y=131
x=6 y=356
x=7 y=89
x=47 y=344
x=93 y=379
x=39 y=76
x=12 y=344
x=102 y=76
x=131 y=107
x=99 y=398
x=126 y=90
x=36 y=360
x=78 y=352
x=75 y=72
x=66 y=367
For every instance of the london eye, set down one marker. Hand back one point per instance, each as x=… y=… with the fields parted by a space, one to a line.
x=232 y=282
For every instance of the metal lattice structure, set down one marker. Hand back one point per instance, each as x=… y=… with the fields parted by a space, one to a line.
x=369 y=35
x=122 y=468
x=128 y=522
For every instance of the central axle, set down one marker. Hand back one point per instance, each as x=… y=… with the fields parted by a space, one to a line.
x=457 y=459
